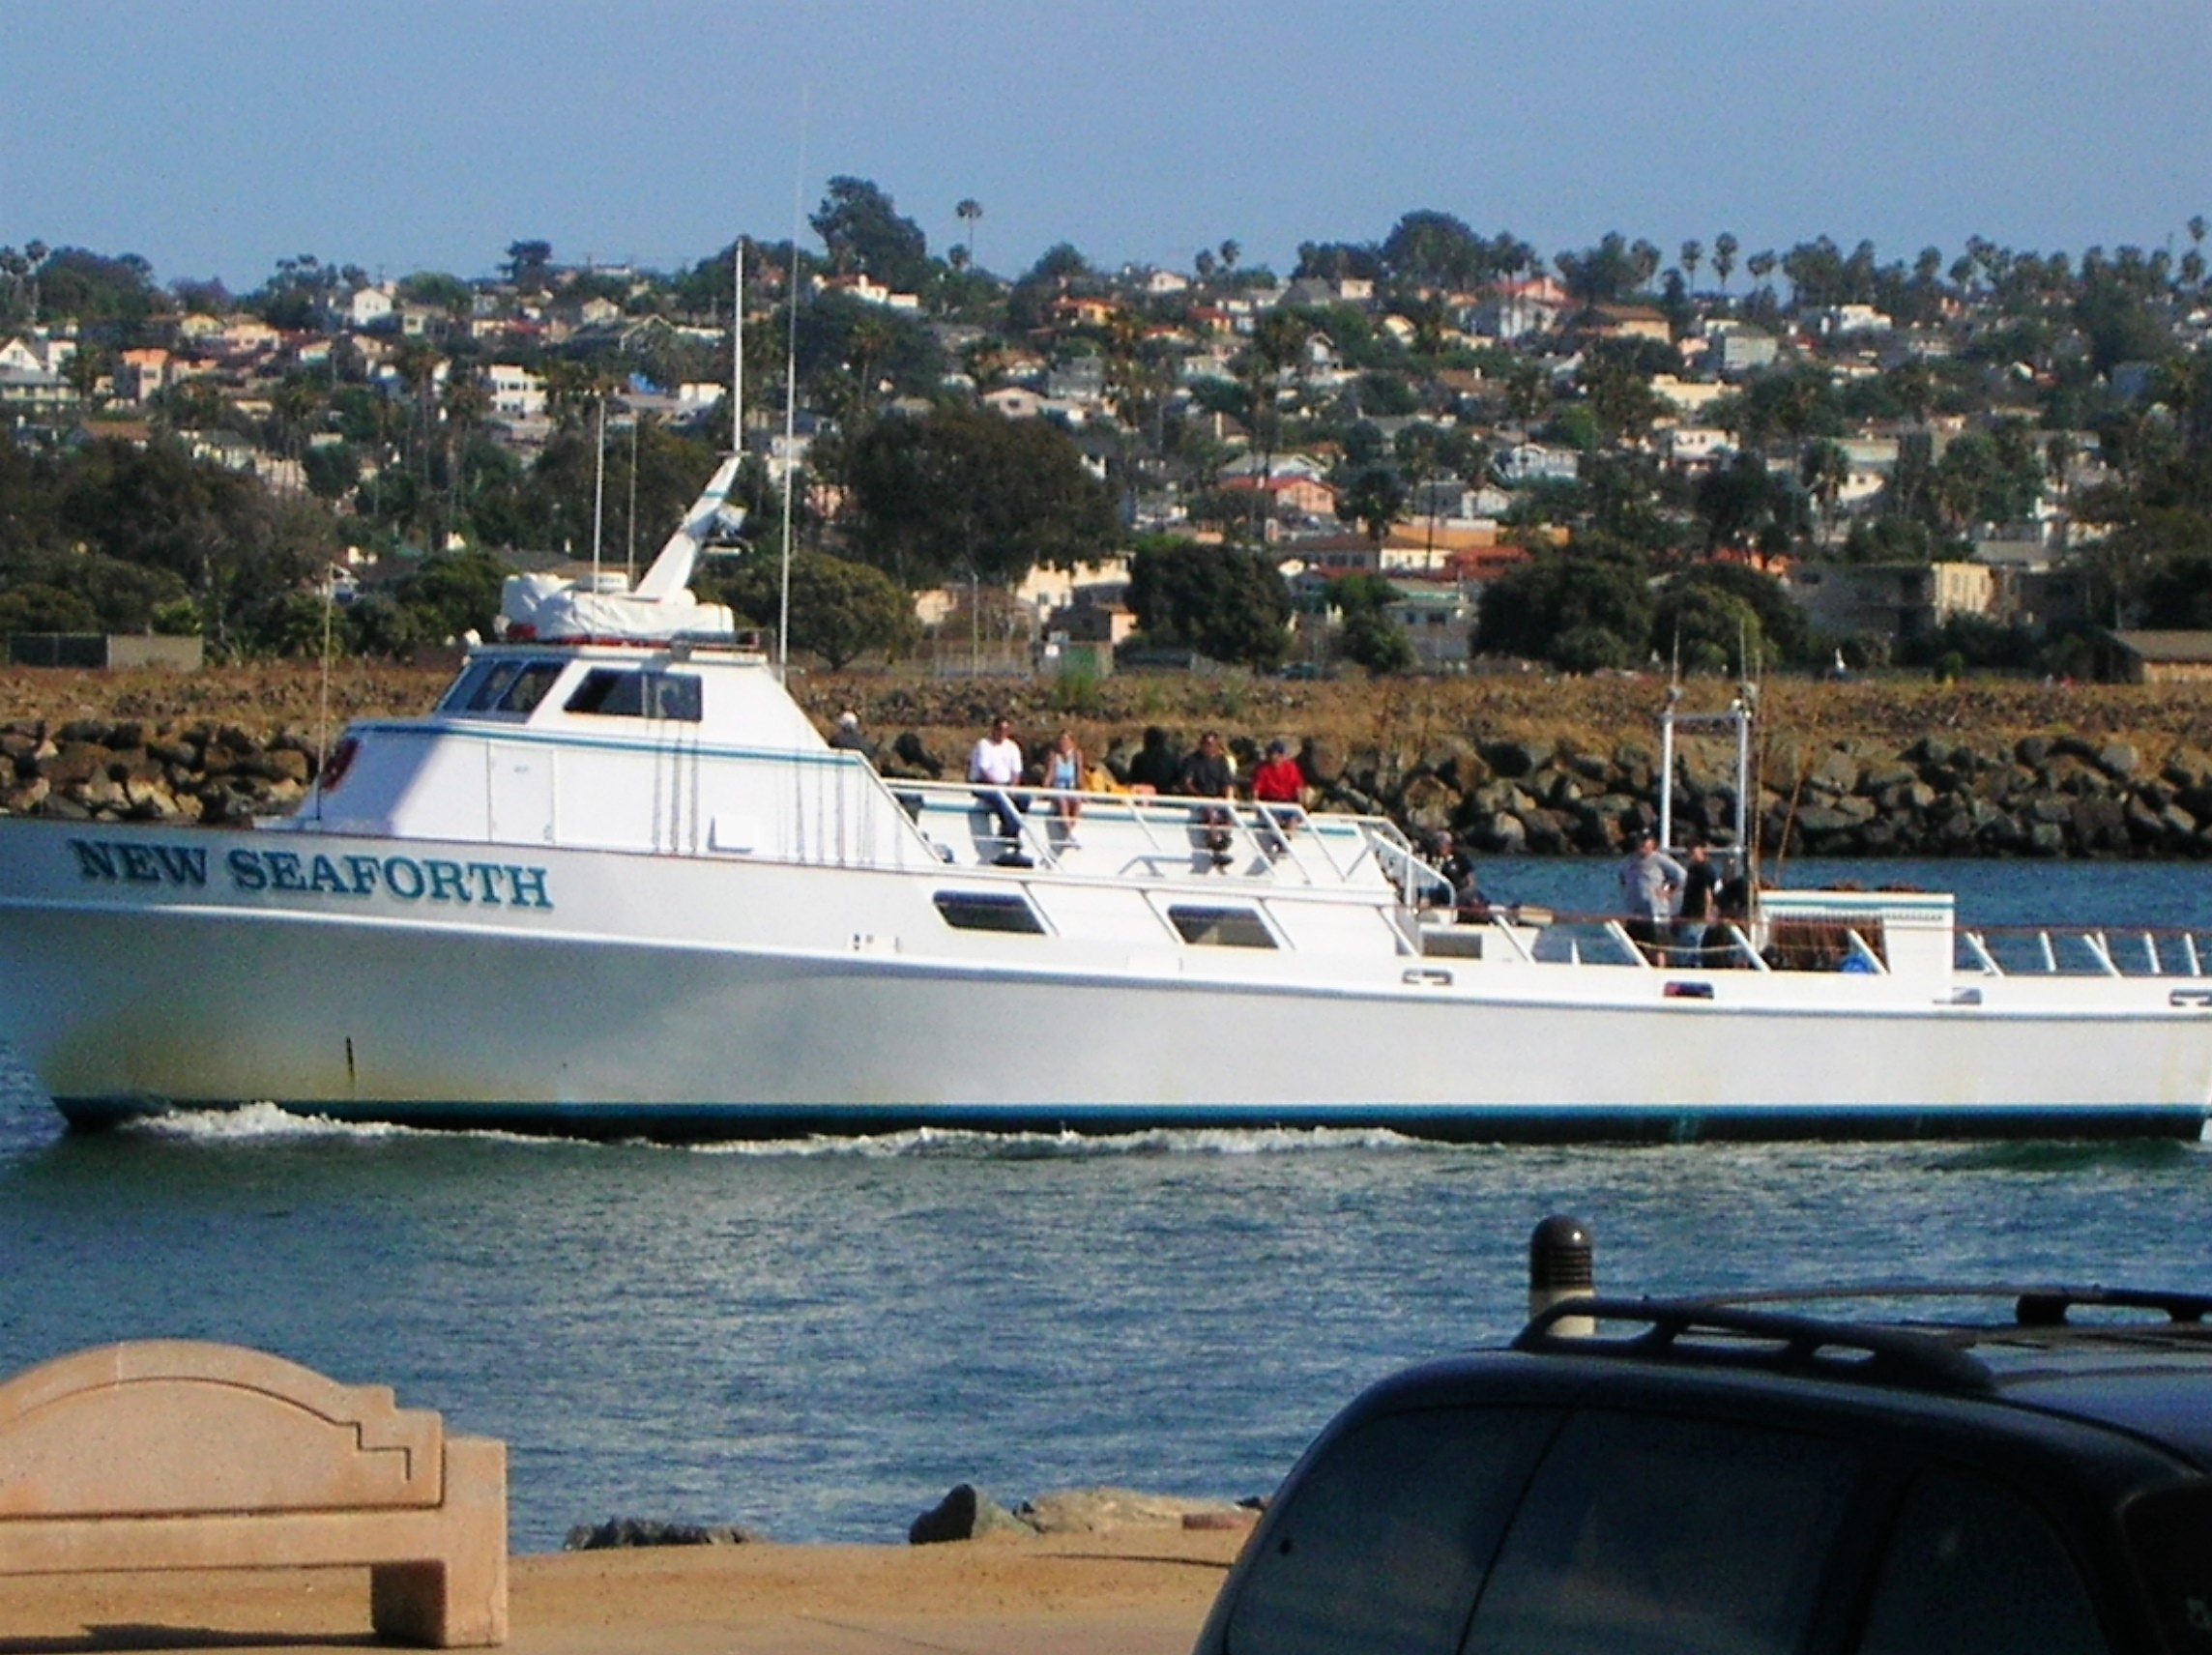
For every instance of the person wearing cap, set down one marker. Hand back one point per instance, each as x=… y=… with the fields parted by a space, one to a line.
x=847 y=736
x=1279 y=788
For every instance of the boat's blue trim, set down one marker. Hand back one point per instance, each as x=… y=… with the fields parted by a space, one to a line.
x=1449 y=1123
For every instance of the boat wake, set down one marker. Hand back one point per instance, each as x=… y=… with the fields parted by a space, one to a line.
x=267 y=1123
x=934 y=1142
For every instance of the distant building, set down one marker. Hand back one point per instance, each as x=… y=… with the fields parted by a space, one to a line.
x=1742 y=350
x=1899 y=601
x=2155 y=657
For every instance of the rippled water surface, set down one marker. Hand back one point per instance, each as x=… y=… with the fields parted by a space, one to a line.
x=819 y=1339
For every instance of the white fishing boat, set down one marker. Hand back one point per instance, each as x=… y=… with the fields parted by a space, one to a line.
x=615 y=884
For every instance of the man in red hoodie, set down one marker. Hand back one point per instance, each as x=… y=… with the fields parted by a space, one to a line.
x=1279 y=785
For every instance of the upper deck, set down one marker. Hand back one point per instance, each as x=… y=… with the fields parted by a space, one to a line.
x=688 y=750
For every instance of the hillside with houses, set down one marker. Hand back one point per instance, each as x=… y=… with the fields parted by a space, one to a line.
x=1437 y=451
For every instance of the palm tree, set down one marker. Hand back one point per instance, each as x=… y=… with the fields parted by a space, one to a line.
x=968 y=212
x=1231 y=252
x=1693 y=253
x=1724 y=257
x=36 y=253
x=1825 y=470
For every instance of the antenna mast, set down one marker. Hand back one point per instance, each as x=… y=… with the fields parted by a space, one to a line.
x=737 y=350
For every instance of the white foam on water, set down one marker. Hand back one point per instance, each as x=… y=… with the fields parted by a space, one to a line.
x=930 y=1141
x=269 y=1123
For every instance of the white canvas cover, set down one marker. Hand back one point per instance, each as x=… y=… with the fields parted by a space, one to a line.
x=661 y=608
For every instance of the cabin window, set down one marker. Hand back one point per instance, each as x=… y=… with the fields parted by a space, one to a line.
x=989 y=911
x=1221 y=927
x=500 y=685
x=613 y=693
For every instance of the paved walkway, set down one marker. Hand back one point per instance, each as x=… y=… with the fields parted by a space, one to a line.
x=1134 y=1591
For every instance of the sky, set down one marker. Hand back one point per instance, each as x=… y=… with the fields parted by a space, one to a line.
x=216 y=136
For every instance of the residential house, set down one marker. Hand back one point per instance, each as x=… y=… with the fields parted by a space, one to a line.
x=1899 y=601
x=1290 y=496
x=1517 y=310
x=1745 y=350
x=1626 y=322
x=1083 y=310
x=1691 y=396
x=1697 y=448
x=1160 y=284
x=1525 y=463
x=868 y=291
x=31 y=383
x=1833 y=321
x=368 y=307
x=517 y=393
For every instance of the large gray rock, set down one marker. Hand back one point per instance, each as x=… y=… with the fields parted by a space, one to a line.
x=1103 y=1510
x=627 y=1531
x=963 y=1514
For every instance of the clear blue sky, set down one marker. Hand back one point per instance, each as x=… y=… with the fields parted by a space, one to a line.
x=218 y=136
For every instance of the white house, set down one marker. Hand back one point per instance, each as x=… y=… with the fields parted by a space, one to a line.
x=517 y=393
x=1534 y=462
x=366 y=307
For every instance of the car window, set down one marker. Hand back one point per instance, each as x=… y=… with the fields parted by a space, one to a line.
x=1646 y=1535
x=2171 y=1534
x=1385 y=1538
x=1971 y=1570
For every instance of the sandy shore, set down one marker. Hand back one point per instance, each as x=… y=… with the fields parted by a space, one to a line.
x=1133 y=1592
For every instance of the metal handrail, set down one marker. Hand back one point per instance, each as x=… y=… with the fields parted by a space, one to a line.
x=2167 y=950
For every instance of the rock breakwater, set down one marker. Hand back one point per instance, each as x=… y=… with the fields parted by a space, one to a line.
x=1936 y=795
x=129 y=770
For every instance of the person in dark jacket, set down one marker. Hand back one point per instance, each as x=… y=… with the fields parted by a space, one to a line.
x=1208 y=774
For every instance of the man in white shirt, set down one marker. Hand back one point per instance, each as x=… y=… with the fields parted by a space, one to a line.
x=997 y=765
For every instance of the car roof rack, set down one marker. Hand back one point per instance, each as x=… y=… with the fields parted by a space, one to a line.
x=2034 y=1305
x=1704 y=1332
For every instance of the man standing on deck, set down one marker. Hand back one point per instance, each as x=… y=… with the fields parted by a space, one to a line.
x=997 y=765
x=1698 y=910
x=1649 y=879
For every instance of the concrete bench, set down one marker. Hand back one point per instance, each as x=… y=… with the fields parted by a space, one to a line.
x=170 y=1453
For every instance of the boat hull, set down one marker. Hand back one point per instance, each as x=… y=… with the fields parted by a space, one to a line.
x=604 y=994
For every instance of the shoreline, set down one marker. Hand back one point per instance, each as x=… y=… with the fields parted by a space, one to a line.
x=1133 y=1591
x=1865 y=770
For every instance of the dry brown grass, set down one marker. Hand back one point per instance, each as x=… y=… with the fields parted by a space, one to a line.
x=1594 y=714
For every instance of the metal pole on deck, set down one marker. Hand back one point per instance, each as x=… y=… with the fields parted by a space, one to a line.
x=1667 y=769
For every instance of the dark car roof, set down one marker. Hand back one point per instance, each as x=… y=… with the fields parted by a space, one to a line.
x=2138 y=1364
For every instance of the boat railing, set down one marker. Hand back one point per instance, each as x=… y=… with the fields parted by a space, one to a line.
x=1146 y=834
x=2086 y=950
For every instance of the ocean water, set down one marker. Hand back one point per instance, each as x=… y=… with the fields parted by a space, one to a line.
x=818 y=1339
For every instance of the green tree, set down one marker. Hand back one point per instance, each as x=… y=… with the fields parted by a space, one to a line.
x=1724 y=245
x=1579 y=611
x=453 y=594
x=1367 y=635
x=527 y=263
x=963 y=492
x=863 y=231
x=839 y=610
x=1224 y=601
x=1374 y=499
x=1429 y=248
